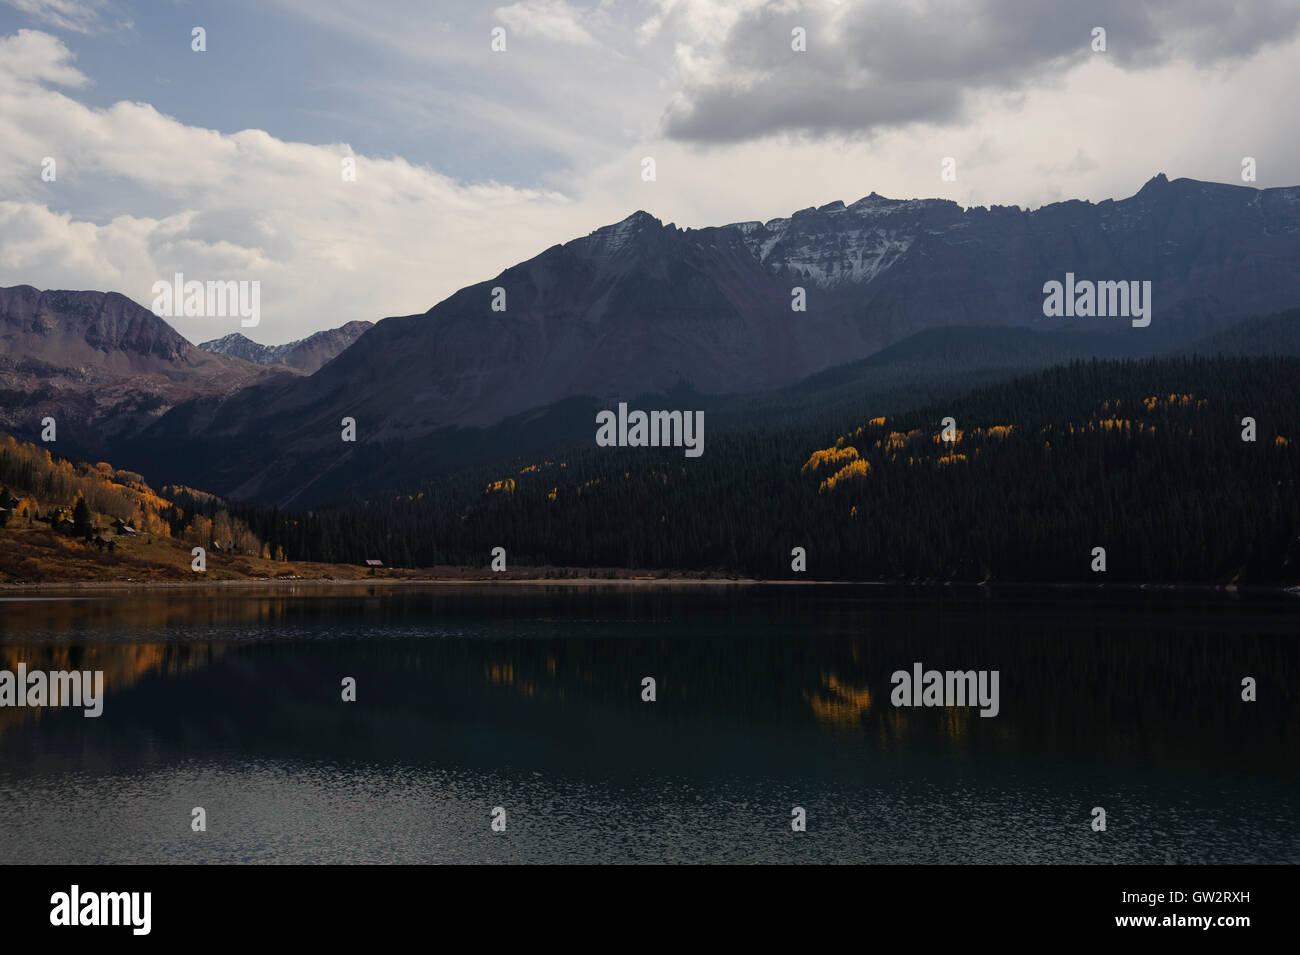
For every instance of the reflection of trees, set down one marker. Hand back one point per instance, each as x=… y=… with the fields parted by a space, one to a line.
x=1125 y=682
x=839 y=706
x=123 y=665
x=1133 y=680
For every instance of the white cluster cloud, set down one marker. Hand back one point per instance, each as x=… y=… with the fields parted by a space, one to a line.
x=240 y=206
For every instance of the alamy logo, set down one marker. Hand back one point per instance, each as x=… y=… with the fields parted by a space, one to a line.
x=1088 y=299
x=181 y=299
x=924 y=687
x=103 y=908
x=83 y=688
x=654 y=429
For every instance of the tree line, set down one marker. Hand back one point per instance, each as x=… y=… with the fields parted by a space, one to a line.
x=1143 y=458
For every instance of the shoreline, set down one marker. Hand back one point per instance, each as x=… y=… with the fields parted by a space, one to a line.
x=127 y=586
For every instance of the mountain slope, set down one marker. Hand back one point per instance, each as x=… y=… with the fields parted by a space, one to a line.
x=936 y=364
x=89 y=334
x=101 y=365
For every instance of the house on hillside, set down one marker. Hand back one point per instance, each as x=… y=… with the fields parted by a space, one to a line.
x=374 y=564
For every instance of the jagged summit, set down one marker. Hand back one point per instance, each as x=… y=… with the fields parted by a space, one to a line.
x=223 y=344
x=306 y=354
x=610 y=240
x=637 y=220
x=1153 y=187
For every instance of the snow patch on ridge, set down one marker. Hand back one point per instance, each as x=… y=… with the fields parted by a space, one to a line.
x=835 y=243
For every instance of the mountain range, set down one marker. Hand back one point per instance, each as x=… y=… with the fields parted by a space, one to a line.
x=640 y=308
x=105 y=367
x=306 y=354
x=101 y=365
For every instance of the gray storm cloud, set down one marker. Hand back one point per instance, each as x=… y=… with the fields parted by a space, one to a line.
x=873 y=66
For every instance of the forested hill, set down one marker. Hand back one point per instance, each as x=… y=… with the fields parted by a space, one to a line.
x=1143 y=458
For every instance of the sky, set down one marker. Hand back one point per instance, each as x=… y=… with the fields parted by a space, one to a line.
x=228 y=163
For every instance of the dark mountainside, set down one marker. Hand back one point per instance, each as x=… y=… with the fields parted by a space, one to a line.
x=929 y=365
x=641 y=308
x=306 y=354
x=1143 y=458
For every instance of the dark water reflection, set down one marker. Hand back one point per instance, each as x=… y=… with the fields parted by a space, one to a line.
x=530 y=698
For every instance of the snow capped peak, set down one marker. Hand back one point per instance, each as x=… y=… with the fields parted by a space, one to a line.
x=233 y=344
x=611 y=239
x=306 y=354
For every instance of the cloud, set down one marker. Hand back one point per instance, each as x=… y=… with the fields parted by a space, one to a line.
x=79 y=16
x=30 y=58
x=870 y=67
x=244 y=205
x=550 y=19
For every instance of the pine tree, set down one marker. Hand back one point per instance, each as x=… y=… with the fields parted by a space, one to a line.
x=81 y=518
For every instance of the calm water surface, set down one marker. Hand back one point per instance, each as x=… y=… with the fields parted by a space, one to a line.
x=529 y=698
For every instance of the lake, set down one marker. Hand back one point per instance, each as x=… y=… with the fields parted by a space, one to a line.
x=528 y=697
